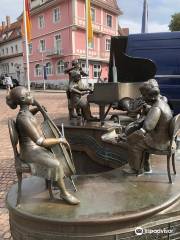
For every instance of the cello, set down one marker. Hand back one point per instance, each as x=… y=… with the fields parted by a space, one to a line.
x=62 y=153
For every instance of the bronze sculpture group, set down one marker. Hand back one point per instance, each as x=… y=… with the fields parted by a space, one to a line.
x=149 y=130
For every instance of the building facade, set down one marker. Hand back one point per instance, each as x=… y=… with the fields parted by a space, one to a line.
x=11 y=52
x=59 y=36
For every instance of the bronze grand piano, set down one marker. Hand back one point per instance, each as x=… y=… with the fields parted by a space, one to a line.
x=125 y=76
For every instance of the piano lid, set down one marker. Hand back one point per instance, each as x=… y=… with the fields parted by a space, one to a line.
x=129 y=69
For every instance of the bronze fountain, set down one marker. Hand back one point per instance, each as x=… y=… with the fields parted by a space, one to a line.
x=121 y=187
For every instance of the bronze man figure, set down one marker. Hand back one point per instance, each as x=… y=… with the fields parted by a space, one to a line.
x=154 y=131
x=34 y=147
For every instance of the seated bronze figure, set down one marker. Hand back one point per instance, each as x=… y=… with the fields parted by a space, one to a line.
x=152 y=132
x=35 y=148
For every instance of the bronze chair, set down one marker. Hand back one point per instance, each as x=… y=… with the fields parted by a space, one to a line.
x=171 y=150
x=20 y=166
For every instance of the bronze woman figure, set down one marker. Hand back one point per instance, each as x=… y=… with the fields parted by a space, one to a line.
x=34 y=147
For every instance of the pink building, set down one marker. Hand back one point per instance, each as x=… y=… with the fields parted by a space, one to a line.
x=58 y=37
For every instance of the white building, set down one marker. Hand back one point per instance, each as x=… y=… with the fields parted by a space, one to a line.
x=11 y=52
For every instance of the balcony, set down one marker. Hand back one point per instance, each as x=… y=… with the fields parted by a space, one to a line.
x=97 y=28
x=105 y=55
x=54 y=53
x=14 y=55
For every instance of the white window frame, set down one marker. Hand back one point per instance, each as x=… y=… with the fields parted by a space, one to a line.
x=93 y=16
x=96 y=70
x=38 y=71
x=56 y=47
x=16 y=48
x=107 y=23
x=60 y=67
x=108 y=44
x=49 y=69
x=91 y=44
x=7 y=51
x=55 y=18
x=83 y=66
x=30 y=48
x=5 y=67
x=41 y=21
x=41 y=45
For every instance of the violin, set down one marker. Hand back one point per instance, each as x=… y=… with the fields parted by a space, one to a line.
x=63 y=153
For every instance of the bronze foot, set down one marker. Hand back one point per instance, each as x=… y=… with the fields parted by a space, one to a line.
x=70 y=199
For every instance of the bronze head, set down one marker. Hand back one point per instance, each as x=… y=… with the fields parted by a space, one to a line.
x=76 y=76
x=75 y=63
x=150 y=91
x=19 y=96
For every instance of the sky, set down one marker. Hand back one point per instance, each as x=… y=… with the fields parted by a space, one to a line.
x=160 y=12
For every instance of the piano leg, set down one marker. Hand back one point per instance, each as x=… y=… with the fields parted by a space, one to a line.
x=106 y=113
x=102 y=114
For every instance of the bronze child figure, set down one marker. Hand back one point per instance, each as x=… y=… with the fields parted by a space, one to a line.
x=34 y=147
x=70 y=71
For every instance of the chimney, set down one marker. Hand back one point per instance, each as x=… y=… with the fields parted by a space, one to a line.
x=3 y=25
x=8 y=21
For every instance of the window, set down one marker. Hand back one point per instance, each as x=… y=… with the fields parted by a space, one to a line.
x=3 y=51
x=16 y=48
x=96 y=70
x=42 y=46
x=48 y=68
x=30 y=48
x=6 y=50
x=108 y=44
x=12 y=49
x=56 y=15
x=41 y=22
x=91 y=44
x=38 y=70
x=5 y=67
x=109 y=20
x=83 y=66
x=93 y=14
x=57 y=43
x=60 y=67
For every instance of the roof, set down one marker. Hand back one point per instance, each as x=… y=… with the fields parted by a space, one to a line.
x=10 y=33
x=110 y=5
x=123 y=31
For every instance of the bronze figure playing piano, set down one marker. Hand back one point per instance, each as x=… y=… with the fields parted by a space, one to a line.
x=153 y=131
x=35 y=149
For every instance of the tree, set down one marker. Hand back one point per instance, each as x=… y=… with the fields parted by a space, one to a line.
x=175 y=22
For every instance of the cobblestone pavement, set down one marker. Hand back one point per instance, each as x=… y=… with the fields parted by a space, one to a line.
x=56 y=105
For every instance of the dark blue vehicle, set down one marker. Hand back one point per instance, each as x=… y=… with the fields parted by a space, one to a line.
x=164 y=50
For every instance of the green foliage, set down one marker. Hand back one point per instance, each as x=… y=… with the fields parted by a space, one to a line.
x=175 y=22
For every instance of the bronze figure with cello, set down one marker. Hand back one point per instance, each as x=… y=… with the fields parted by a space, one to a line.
x=42 y=147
